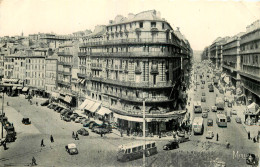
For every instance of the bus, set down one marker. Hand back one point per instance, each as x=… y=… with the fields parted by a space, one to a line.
x=197 y=107
x=198 y=126
x=221 y=120
x=131 y=151
x=220 y=103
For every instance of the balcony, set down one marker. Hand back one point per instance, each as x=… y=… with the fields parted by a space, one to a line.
x=138 y=70
x=131 y=41
x=64 y=63
x=250 y=51
x=136 y=54
x=64 y=72
x=64 y=54
x=133 y=84
x=95 y=66
x=83 y=53
x=67 y=83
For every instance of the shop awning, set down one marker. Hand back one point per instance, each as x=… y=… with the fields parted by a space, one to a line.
x=128 y=118
x=20 y=88
x=10 y=80
x=83 y=80
x=103 y=111
x=68 y=99
x=25 y=89
x=55 y=94
x=84 y=104
x=95 y=107
x=89 y=105
x=14 y=88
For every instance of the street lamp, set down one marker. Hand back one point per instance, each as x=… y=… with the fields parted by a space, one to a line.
x=144 y=132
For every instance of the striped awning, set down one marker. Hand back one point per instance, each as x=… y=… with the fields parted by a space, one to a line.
x=103 y=111
x=25 y=89
x=95 y=107
x=84 y=104
x=68 y=99
x=89 y=105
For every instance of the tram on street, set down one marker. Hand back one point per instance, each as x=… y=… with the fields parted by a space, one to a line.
x=198 y=126
x=221 y=120
x=133 y=151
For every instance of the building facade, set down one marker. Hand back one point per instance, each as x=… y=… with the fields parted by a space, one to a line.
x=250 y=62
x=131 y=60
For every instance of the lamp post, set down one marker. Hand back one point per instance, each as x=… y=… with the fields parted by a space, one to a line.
x=144 y=162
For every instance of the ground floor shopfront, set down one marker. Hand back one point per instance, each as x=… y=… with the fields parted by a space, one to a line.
x=152 y=124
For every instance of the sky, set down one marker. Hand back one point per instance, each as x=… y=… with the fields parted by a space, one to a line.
x=200 y=21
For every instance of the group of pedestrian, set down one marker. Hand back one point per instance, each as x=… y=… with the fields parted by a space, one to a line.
x=51 y=139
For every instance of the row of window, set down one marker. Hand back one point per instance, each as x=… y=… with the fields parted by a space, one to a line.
x=253 y=59
x=139 y=24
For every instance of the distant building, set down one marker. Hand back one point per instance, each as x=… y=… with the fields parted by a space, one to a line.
x=51 y=73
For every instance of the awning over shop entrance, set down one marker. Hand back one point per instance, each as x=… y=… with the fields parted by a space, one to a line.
x=128 y=118
x=103 y=110
x=68 y=99
x=14 y=88
x=10 y=80
x=55 y=95
x=19 y=88
x=25 y=89
x=89 y=105
x=95 y=107
x=83 y=105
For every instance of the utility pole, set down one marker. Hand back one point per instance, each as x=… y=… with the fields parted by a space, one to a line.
x=144 y=162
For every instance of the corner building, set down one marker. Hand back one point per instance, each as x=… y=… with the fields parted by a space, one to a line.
x=131 y=60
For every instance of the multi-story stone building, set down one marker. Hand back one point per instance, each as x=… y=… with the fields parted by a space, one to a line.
x=216 y=52
x=250 y=62
x=51 y=73
x=131 y=60
x=232 y=59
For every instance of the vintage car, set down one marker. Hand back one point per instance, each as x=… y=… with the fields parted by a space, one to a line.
x=71 y=149
x=203 y=99
x=209 y=135
x=171 y=145
x=214 y=108
x=83 y=132
x=210 y=122
x=26 y=121
x=238 y=120
x=251 y=159
x=45 y=103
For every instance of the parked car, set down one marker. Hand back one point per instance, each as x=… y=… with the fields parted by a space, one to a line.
x=205 y=114
x=233 y=112
x=203 y=99
x=56 y=108
x=60 y=109
x=209 y=135
x=87 y=124
x=26 y=121
x=83 y=132
x=45 y=103
x=214 y=108
x=252 y=159
x=78 y=120
x=238 y=120
x=50 y=106
x=83 y=120
x=210 y=122
x=203 y=94
x=53 y=106
x=71 y=149
x=67 y=119
x=99 y=129
x=74 y=116
x=171 y=145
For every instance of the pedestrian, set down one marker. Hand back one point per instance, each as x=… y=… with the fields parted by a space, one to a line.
x=77 y=137
x=254 y=139
x=248 y=134
x=51 y=138
x=73 y=135
x=217 y=136
x=101 y=134
x=121 y=132
x=42 y=144
x=34 y=161
x=4 y=144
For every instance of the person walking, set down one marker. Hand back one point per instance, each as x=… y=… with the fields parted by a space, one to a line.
x=248 y=134
x=217 y=136
x=77 y=137
x=73 y=135
x=4 y=144
x=42 y=144
x=51 y=138
x=34 y=161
